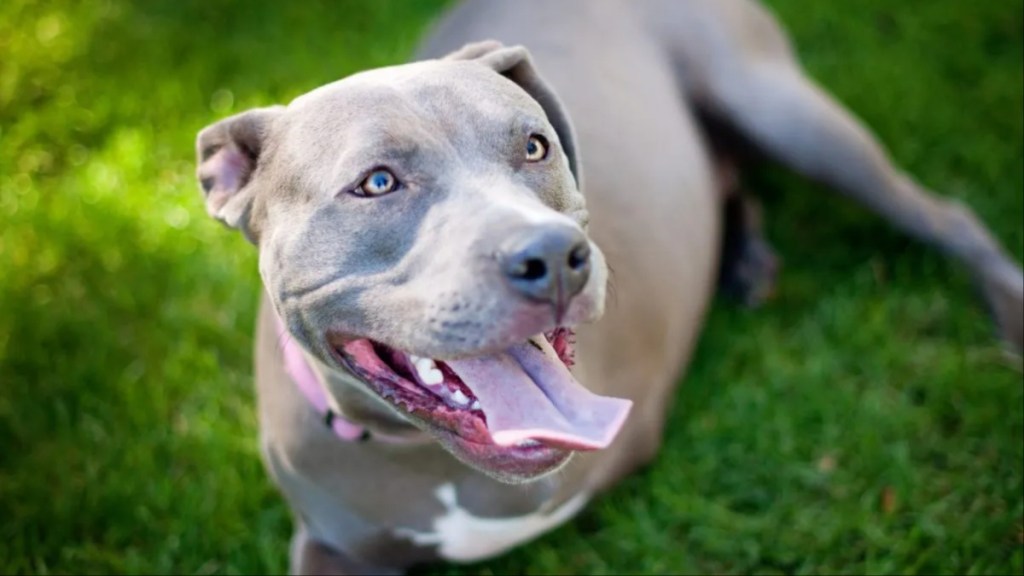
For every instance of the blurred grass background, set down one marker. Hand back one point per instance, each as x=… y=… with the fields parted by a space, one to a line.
x=865 y=421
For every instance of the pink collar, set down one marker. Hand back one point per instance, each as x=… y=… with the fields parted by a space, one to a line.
x=299 y=370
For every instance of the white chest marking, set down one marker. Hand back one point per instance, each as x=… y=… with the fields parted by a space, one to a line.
x=460 y=536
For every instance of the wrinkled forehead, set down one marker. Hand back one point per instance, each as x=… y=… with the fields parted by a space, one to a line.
x=435 y=99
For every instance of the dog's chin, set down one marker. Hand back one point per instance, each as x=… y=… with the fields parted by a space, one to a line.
x=434 y=396
x=510 y=465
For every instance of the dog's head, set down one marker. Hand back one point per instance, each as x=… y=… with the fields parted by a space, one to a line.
x=421 y=231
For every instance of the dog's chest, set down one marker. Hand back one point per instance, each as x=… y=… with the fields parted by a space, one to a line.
x=462 y=536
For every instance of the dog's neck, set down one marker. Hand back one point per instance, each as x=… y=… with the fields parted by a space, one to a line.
x=298 y=368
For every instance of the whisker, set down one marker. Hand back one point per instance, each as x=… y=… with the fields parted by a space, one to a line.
x=611 y=288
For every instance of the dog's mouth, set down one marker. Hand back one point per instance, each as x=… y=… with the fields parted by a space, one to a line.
x=518 y=401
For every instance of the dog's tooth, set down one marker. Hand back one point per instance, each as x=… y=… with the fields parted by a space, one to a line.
x=427 y=370
x=537 y=341
x=460 y=398
x=475 y=405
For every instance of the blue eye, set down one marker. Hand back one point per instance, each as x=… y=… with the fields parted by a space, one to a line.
x=536 y=148
x=379 y=182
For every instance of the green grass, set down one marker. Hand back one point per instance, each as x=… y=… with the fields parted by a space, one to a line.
x=864 y=421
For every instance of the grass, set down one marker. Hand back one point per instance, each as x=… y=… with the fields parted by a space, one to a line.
x=865 y=421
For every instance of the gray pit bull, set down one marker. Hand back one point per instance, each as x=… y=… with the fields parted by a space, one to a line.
x=437 y=241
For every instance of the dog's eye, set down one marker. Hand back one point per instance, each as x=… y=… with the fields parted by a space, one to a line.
x=536 y=148
x=379 y=182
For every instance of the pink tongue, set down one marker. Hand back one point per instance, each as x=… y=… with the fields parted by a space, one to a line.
x=529 y=394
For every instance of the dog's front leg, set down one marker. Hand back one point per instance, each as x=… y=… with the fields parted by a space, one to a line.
x=309 y=557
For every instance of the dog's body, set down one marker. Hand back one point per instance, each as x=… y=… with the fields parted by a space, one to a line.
x=641 y=83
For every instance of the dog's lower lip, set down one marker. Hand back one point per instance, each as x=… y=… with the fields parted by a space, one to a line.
x=466 y=423
x=481 y=445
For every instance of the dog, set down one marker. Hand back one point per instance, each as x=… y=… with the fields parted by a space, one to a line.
x=436 y=241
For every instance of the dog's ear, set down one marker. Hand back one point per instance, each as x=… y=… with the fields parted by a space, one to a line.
x=514 y=63
x=228 y=154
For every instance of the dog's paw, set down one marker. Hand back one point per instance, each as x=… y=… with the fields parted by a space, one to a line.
x=750 y=277
x=1004 y=294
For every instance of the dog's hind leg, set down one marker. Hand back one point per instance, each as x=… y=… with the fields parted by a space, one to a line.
x=737 y=65
x=749 y=265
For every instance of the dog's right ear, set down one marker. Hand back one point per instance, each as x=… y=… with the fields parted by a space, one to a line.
x=228 y=154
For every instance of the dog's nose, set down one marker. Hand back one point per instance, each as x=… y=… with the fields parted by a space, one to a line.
x=549 y=264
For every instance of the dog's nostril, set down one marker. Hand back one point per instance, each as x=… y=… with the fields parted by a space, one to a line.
x=531 y=269
x=547 y=264
x=579 y=257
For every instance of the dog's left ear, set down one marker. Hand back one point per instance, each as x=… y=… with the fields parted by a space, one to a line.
x=228 y=155
x=514 y=63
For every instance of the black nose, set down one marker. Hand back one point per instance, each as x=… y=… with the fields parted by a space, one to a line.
x=548 y=264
